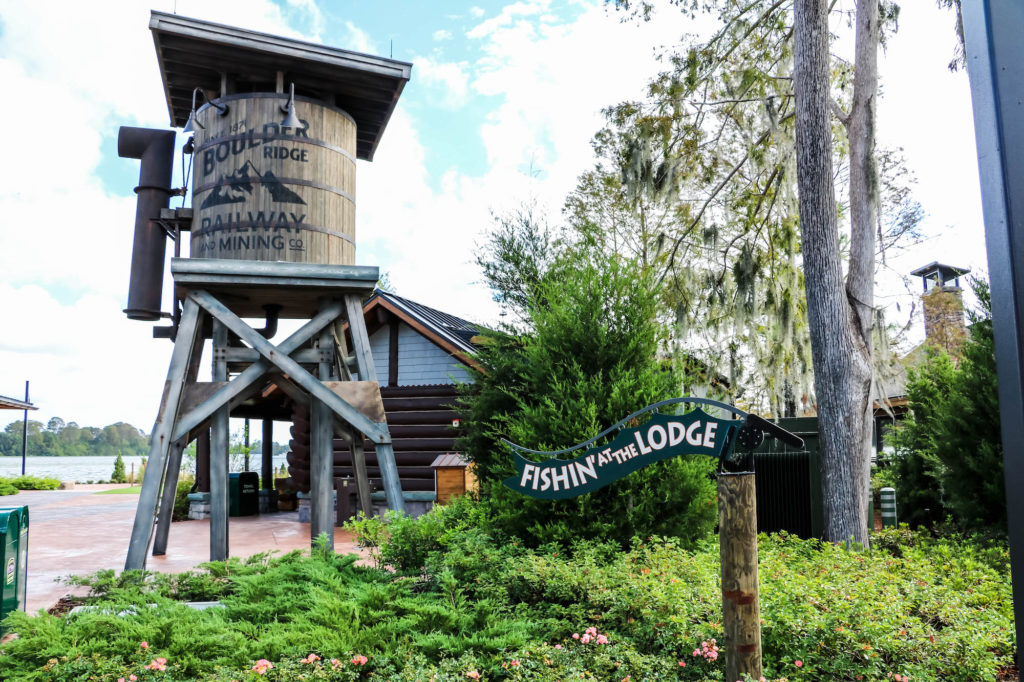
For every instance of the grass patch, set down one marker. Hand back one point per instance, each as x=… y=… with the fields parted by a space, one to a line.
x=131 y=490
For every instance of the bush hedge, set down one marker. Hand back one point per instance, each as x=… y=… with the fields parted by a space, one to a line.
x=10 y=486
x=467 y=605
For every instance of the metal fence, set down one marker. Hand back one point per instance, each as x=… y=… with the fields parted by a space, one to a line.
x=789 y=482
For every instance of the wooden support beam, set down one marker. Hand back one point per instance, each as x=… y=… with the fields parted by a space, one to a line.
x=367 y=372
x=163 y=522
x=321 y=465
x=306 y=356
x=160 y=441
x=362 y=479
x=741 y=611
x=377 y=432
x=219 y=446
x=248 y=379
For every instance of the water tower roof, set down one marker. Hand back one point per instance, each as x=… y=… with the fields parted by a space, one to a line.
x=194 y=53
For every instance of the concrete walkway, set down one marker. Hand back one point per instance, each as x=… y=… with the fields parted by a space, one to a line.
x=76 y=532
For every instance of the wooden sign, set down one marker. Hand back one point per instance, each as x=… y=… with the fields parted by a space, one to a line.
x=662 y=437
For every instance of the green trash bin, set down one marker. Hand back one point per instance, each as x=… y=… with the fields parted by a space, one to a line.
x=243 y=493
x=13 y=560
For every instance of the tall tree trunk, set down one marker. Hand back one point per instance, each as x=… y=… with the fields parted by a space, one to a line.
x=842 y=371
x=863 y=216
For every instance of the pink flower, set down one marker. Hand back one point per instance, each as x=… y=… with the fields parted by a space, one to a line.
x=335 y=663
x=157 y=664
x=591 y=631
x=558 y=646
x=585 y=639
x=132 y=678
x=682 y=664
x=359 y=660
x=473 y=675
x=312 y=658
x=120 y=679
x=601 y=639
x=575 y=635
x=144 y=645
x=798 y=664
x=515 y=664
x=262 y=666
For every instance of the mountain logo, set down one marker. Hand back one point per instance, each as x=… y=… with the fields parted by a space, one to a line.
x=233 y=188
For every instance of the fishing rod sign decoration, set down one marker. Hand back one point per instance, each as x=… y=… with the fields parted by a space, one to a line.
x=662 y=437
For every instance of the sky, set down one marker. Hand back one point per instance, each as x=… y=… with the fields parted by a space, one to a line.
x=503 y=102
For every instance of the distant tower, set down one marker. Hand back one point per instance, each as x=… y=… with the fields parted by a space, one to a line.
x=943 y=306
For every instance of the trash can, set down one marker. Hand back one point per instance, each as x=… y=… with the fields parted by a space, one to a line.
x=243 y=493
x=13 y=560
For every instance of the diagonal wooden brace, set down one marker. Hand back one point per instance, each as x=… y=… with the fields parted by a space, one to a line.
x=377 y=432
x=246 y=381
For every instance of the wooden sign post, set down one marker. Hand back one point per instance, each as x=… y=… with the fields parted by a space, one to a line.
x=741 y=611
x=596 y=463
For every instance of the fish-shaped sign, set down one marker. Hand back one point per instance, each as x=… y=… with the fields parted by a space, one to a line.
x=662 y=437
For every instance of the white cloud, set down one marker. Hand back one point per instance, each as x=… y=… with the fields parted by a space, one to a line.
x=357 y=40
x=448 y=82
x=442 y=34
x=507 y=16
x=476 y=11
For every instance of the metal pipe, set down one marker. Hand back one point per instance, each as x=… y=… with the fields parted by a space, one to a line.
x=272 y=311
x=156 y=150
x=24 y=433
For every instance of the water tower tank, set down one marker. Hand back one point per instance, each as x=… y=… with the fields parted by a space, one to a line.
x=266 y=186
x=262 y=191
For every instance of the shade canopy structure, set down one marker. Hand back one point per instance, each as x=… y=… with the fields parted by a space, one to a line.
x=15 y=404
x=220 y=59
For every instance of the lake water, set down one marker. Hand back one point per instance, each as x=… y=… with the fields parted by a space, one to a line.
x=82 y=469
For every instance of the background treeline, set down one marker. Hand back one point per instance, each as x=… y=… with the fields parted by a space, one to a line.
x=58 y=438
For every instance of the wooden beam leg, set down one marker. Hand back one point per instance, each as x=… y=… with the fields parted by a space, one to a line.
x=163 y=523
x=362 y=479
x=160 y=441
x=321 y=466
x=367 y=372
x=219 y=457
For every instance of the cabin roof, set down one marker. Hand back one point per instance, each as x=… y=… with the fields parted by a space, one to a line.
x=453 y=332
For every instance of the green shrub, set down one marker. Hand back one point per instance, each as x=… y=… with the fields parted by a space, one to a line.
x=588 y=357
x=181 y=502
x=119 y=475
x=6 y=488
x=30 y=483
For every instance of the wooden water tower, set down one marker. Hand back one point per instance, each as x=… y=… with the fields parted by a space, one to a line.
x=278 y=125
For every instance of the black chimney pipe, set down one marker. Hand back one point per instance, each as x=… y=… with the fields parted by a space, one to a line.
x=156 y=150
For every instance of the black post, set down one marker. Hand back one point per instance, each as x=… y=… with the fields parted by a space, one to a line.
x=995 y=64
x=246 y=445
x=268 y=454
x=24 y=433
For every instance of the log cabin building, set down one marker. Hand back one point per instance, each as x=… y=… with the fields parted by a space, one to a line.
x=421 y=355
